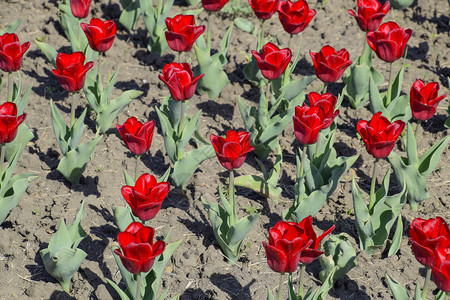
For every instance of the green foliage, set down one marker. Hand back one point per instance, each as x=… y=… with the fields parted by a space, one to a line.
x=401 y=4
x=399 y=293
x=313 y=294
x=62 y=258
x=11 y=27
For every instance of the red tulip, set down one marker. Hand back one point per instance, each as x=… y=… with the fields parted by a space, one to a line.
x=214 y=5
x=180 y=80
x=424 y=99
x=312 y=251
x=295 y=16
x=329 y=65
x=286 y=244
x=80 y=8
x=389 y=41
x=441 y=274
x=328 y=103
x=427 y=237
x=379 y=134
x=182 y=33
x=264 y=9
x=136 y=248
x=100 y=34
x=146 y=197
x=71 y=70
x=11 y=52
x=272 y=61
x=9 y=122
x=370 y=14
x=232 y=150
x=137 y=136
x=308 y=121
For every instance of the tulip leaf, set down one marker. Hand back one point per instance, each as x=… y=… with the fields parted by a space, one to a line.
x=123 y=217
x=154 y=20
x=188 y=131
x=11 y=27
x=295 y=88
x=397 y=239
x=397 y=109
x=48 y=51
x=104 y=97
x=168 y=134
x=60 y=129
x=239 y=231
x=246 y=114
x=252 y=73
x=75 y=229
x=60 y=239
x=429 y=160
x=224 y=201
x=376 y=102
x=357 y=85
x=244 y=25
x=270 y=295
x=397 y=85
x=130 y=14
x=397 y=290
x=122 y=294
x=24 y=135
x=76 y=131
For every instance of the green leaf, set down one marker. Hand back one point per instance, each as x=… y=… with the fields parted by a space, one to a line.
x=61 y=130
x=244 y=25
x=252 y=73
x=270 y=295
x=239 y=231
x=429 y=160
x=168 y=134
x=397 y=290
x=411 y=146
x=76 y=231
x=188 y=131
x=397 y=84
x=357 y=85
x=11 y=27
x=130 y=15
x=294 y=88
x=363 y=220
x=122 y=294
x=48 y=51
x=376 y=103
x=61 y=239
x=123 y=217
x=397 y=239
x=76 y=131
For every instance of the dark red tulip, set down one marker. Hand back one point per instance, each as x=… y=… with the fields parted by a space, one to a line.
x=328 y=103
x=264 y=9
x=389 y=41
x=214 y=5
x=232 y=150
x=272 y=61
x=441 y=274
x=379 y=134
x=136 y=248
x=295 y=16
x=9 y=122
x=137 y=136
x=180 y=80
x=329 y=65
x=182 y=33
x=370 y=14
x=100 y=34
x=308 y=121
x=11 y=52
x=427 y=237
x=286 y=244
x=146 y=196
x=80 y=8
x=71 y=70
x=424 y=99
x=312 y=251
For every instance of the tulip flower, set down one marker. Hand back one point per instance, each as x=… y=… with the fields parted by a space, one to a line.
x=424 y=99
x=136 y=248
x=328 y=103
x=233 y=149
x=9 y=123
x=329 y=65
x=312 y=251
x=137 y=136
x=71 y=70
x=264 y=9
x=182 y=32
x=309 y=120
x=80 y=8
x=146 y=196
x=370 y=14
x=100 y=34
x=295 y=16
x=379 y=135
x=180 y=80
x=214 y=5
x=272 y=61
x=389 y=41
x=441 y=274
x=11 y=52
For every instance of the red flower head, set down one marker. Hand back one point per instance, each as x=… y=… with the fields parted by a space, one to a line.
x=146 y=197
x=328 y=103
x=100 y=34
x=308 y=121
x=182 y=33
x=311 y=252
x=264 y=9
x=272 y=61
x=427 y=237
x=379 y=134
x=9 y=122
x=180 y=80
x=441 y=273
x=137 y=250
x=71 y=70
x=389 y=41
x=287 y=241
x=370 y=14
x=295 y=16
x=329 y=65
x=232 y=150
x=137 y=136
x=80 y=8
x=424 y=99
x=11 y=52
x=214 y=5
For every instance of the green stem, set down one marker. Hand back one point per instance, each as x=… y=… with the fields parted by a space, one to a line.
x=289 y=43
x=389 y=91
x=138 y=158
x=9 y=87
x=2 y=158
x=372 y=186
x=79 y=31
x=182 y=113
x=261 y=36
x=366 y=51
x=98 y=65
x=232 y=198
x=302 y=275
x=179 y=57
x=268 y=94
x=419 y=123
x=302 y=164
x=425 y=285
x=208 y=28
x=280 y=285
x=138 y=287
x=316 y=153
x=72 y=111
x=325 y=87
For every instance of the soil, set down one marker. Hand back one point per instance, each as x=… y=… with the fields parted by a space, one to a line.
x=198 y=269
